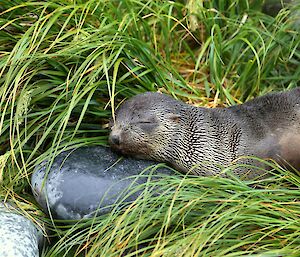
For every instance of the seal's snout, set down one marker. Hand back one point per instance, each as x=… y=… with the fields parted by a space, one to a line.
x=114 y=139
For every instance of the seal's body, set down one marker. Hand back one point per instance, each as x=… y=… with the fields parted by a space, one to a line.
x=158 y=127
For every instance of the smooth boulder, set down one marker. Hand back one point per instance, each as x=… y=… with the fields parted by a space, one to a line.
x=19 y=237
x=89 y=181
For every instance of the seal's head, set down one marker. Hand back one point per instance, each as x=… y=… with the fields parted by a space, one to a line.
x=145 y=125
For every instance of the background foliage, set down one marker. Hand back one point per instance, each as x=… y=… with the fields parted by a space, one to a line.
x=66 y=65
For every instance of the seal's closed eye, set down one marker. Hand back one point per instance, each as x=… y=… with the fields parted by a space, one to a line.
x=147 y=125
x=143 y=122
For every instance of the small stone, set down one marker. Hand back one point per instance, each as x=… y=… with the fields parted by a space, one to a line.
x=86 y=180
x=19 y=237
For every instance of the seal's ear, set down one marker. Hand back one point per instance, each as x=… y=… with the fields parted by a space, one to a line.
x=173 y=117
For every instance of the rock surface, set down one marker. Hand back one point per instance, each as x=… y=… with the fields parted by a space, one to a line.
x=18 y=236
x=86 y=180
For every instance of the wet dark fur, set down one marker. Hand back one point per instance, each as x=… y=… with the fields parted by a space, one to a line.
x=156 y=126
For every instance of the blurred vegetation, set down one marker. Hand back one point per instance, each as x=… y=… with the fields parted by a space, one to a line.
x=66 y=65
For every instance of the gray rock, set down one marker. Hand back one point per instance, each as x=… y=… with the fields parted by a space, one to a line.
x=87 y=180
x=18 y=236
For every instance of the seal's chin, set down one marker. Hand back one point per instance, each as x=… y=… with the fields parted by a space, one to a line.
x=133 y=152
x=120 y=149
x=126 y=153
x=116 y=147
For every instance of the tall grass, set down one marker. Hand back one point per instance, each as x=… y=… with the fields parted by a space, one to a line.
x=66 y=65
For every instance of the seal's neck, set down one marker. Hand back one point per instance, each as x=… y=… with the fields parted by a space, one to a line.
x=202 y=140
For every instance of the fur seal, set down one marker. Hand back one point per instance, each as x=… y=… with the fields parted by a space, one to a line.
x=197 y=139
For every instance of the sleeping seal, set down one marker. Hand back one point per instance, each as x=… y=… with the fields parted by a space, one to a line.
x=202 y=140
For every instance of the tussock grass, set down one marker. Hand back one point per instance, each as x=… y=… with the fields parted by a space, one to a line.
x=66 y=65
x=194 y=216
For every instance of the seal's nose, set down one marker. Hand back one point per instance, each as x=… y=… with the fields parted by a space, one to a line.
x=114 y=139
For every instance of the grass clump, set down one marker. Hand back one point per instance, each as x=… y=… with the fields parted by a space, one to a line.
x=66 y=65
x=195 y=216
